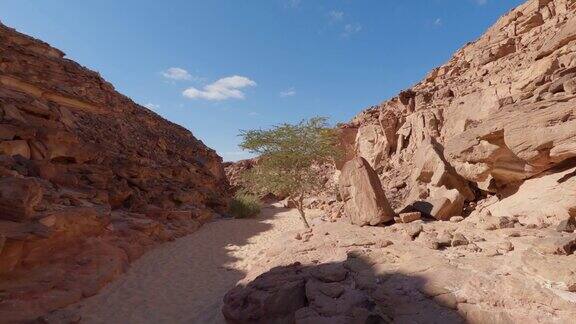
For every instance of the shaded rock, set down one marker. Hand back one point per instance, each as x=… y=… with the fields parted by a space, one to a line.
x=568 y=225
x=18 y=197
x=18 y=147
x=563 y=245
x=442 y=203
x=330 y=272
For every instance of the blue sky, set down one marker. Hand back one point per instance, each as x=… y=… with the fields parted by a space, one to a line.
x=218 y=66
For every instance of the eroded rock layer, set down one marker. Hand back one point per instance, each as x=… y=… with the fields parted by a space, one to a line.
x=501 y=112
x=88 y=179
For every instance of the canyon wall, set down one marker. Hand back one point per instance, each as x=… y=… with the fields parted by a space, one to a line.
x=499 y=118
x=479 y=162
x=88 y=179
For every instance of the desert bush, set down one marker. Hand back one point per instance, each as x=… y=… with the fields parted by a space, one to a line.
x=244 y=205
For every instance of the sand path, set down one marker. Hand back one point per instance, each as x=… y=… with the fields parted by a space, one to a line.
x=184 y=281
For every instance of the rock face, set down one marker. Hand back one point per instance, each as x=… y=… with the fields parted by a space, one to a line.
x=234 y=170
x=364 y=200
x=88 y=179
x=500 y=113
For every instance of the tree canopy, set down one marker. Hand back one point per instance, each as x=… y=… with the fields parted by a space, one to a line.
x=290 y=158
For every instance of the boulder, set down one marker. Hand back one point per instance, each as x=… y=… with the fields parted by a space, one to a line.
x=294 y=294
x=543 y=200
x=442 y=203
x=362 y=193
x=409 y=217
x=432 y=170
x=273 y=297
x=18 y=197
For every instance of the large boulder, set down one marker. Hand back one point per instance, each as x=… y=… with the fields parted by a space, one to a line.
x=362 y=193
x=542 y=201
x=442 y=204
x=273 y=297
x=326 y=293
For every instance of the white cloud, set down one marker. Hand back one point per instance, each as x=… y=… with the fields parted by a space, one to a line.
x=336 y=15
x=438 y=22
x=481 y=2
x=176 y=73
x=288 y=93
x=152 y=106
x=292 y=3
x=350 y=29
x=225 y=88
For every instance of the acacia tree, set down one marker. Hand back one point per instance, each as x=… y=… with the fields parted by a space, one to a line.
x=290 y=159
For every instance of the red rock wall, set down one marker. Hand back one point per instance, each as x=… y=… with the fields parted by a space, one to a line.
x=88 y=179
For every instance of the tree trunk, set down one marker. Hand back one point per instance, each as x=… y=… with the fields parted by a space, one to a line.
x=303 y=217
x=300 y=206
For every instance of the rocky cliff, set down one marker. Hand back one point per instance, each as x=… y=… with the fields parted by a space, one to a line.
x=499 y=118
x=479 y=162
x=88 y=179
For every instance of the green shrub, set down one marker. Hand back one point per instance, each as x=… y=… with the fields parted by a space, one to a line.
x=244 y=206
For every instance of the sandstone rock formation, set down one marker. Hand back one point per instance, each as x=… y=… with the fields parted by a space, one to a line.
x=498 y=116
x=298 y=294
x=88 y=179
x=486 y=143
x=234 y=170
x=420 y=272
x=364 y=200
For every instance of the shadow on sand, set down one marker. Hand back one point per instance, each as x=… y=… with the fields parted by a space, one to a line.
x=338 y=293
x=178 y=282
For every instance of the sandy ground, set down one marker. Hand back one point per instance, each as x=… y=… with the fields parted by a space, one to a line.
x=184 y=281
